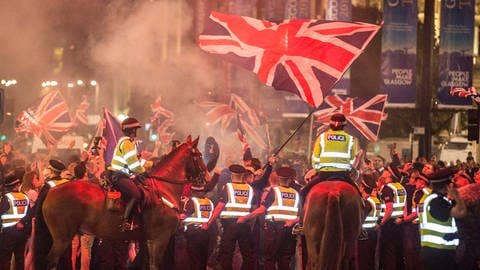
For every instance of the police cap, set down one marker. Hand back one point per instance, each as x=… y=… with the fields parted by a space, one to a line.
x=11 y=180
x=130 y=123
x=394 y=171
x=199 y=187
x=286 y=172
x=56 y=165
x=237 y=168
x=442 y=176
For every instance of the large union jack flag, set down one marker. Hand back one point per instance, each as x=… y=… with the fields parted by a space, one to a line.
x=364 y=114
x=304 y=57
x=49 y=119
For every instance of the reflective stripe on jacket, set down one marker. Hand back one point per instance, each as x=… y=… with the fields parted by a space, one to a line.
x=426 y=191
x=399 y=198
x=19 y=203
x=125 y=157
x=333 y=151
x=433 y=230
x=239 y=203
x=203 y=209
x=374 y=214
x=285 y=205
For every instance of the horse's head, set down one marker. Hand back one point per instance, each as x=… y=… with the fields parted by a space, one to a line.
x=195 y=168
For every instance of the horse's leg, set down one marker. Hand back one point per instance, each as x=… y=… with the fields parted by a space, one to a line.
x=314 y=228
x=58 y=248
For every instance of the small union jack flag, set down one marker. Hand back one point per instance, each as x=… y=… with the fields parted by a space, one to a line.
x=164 y=118
x=49 y=119
x=364 y=114
x=462 y=92
x=80 y=113
x=304 y=57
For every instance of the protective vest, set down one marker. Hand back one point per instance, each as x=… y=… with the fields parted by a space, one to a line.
x=284 y=206
x=433 y=230
x=19 y=203
x=425 y=191
x=56 y=182
x=240 y=197
x=203 y=209
x=374 y=214
x=125 y=157
x=399 y=198
x=333 y=151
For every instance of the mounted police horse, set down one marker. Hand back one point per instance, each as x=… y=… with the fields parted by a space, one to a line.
x=332 y=224
x=79 y=206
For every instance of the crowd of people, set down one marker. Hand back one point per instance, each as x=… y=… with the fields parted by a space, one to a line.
x=248 y=215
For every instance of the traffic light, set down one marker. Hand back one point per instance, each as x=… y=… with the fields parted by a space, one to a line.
x=472 y=124
x=3 y=137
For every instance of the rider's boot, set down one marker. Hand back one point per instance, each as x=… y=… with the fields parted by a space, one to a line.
x=127 y=224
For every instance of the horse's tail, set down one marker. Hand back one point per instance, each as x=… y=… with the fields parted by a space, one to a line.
x=42 y=239
x=332 y=247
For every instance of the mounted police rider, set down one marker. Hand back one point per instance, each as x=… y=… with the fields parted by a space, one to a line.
x=126 y=165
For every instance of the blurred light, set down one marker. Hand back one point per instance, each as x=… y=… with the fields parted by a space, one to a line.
x=3 y=82
x=44 y=84
x=53 y=83
x=122 y=117
x=207 y=124
x=70 y=85
x=80 y=82
x=85 y=145
x=14 y=81
x=93 y=83
x=153 y=137
x=147 y=126
x=8 y=113
x=3 y=137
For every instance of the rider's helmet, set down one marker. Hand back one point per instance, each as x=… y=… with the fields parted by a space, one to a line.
x=338 y=121
x=130 y=125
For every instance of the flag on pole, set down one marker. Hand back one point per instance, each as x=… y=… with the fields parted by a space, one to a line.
x=80 y=113
x=364 y=114
x=112 y=132
x=164 y=119
x=48 y=119
x=304 y=57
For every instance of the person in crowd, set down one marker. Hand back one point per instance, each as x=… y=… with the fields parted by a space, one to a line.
x=368 y=238
x=16 y=219
x=235 y=200
x=125 y=165
x=280 y=206
x=392 y=195
x=437 y=214
x=379 y=164
x=31 y=184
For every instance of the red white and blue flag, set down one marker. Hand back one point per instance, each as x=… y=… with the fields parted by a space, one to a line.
x=236 y=115
x=364 y=114
x=304 y=57
x=163 y=119
x=49 y=119
x=80 y=113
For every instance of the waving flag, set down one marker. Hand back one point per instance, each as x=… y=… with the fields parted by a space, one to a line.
x=80 y=112
x=364 y=114
x=49 y=119
x=164 y=118
x=238 y=113
x=112 y=132
x=466 y=93
x=304 y=57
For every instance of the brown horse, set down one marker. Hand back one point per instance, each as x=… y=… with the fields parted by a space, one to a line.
x=468 y=251
x=79 y=206
x=333 y=220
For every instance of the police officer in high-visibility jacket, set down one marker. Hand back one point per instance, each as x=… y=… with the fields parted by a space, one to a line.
x=280 y=206
x=126 y=164
x=368 y=238
x=393 y=198
x=235 y=200
x=16 y=223
x=437 y=213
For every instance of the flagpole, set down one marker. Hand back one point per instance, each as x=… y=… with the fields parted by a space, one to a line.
x=309 y=149
x=293 y=134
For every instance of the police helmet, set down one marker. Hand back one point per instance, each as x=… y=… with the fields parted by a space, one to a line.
x=130 y=123
x=337 y=121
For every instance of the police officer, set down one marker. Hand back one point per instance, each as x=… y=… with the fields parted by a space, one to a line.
x=368 y=238
x=437 y=213
x=332 y=158
x=392 y=195
x=280 y=206
x=235 y=200
x=126 y=164
x=198 y=210
x=16 y=223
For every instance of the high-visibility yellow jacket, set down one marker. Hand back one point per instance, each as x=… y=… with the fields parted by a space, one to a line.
x=425 y=191
x=240 y=196
x=399 y=198
x=203 y=209
x=284 y=206
x=433 y=230
x=19 y=204
x=374 y=214
x=125 y=157
x=333 y=151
